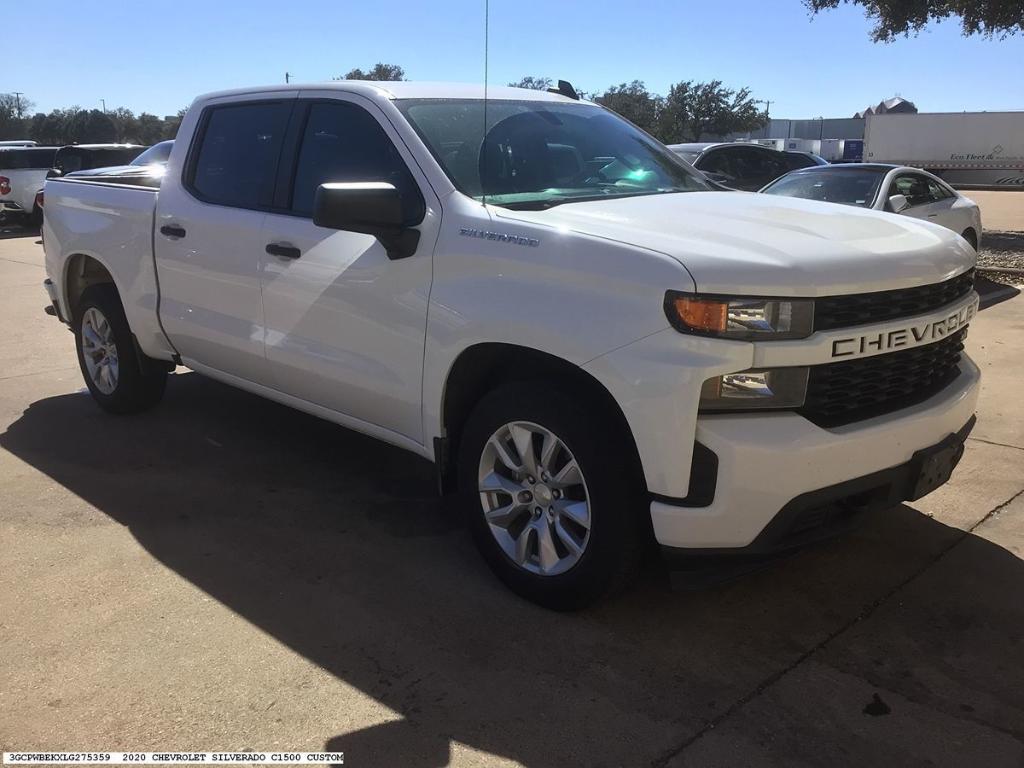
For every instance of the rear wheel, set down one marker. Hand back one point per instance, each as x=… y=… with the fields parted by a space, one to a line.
x=119 y=377
x=550 y=501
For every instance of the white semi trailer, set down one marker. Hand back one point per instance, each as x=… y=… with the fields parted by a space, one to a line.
x=966 y=149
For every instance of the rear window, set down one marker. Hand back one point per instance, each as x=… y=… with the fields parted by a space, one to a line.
x=238 y=152
x=158 y=153
x=17 y=159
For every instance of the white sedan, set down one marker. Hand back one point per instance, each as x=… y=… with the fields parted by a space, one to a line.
x=892 y=188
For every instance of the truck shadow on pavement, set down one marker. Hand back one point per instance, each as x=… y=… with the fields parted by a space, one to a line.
x=337 y=546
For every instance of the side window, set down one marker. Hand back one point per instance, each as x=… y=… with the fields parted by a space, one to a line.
x=717 y=161
x=238 y=153
x=937 y=191
x=343 y=142
x=912 y=187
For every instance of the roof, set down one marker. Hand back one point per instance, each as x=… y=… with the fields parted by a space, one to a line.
x=854 y=166
x=407 y=90
x=701 y=146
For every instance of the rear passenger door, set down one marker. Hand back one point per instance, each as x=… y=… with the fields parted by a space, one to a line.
x=208 y=240
x=345 y=325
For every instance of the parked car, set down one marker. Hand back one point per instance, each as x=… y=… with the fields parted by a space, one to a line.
x=590 y=345
x=18 y=143
x=22 y=172
x=893 y=188
x=147 y=169
x=737 y=165
x=78 y=157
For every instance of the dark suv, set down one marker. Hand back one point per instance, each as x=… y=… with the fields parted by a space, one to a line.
x=737 y=166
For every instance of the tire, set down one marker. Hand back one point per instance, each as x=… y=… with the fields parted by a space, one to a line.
x=609 y=545
x=131 y=382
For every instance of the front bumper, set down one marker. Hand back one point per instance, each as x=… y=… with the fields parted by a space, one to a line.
x=769 y=464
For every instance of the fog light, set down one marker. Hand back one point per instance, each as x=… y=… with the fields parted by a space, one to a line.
x=767 y=388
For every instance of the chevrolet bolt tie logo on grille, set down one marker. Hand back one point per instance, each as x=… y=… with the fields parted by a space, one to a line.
x=529 y=242
x=902 y=337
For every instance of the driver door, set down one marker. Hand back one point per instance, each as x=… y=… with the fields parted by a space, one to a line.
x=344 y=324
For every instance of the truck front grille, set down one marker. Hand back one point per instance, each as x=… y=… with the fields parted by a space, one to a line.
x=842 y=393
x=863 y=308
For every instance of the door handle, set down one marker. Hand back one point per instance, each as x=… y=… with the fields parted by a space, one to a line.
x=172 y=230
x=283 y=250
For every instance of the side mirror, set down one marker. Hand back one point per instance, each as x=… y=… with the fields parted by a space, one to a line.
x=371 y=207
x=898 y=203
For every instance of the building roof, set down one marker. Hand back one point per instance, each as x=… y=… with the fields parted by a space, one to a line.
x=895 y=104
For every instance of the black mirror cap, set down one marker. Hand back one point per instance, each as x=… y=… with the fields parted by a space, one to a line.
x=371 y=207
x=357 y=206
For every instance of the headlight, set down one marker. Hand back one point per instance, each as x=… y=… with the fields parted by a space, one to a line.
x=740 y=318
x=769 y=388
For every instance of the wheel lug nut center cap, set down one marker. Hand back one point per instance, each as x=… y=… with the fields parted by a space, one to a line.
x=543 y=494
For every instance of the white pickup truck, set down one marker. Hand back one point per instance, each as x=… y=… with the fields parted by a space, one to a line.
x=593 y=347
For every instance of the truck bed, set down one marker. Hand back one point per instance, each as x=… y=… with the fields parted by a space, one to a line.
x=113 y=224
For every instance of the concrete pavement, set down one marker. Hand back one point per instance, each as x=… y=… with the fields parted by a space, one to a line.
x=224 y=573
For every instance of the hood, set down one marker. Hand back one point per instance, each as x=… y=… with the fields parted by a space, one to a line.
x=746 y=243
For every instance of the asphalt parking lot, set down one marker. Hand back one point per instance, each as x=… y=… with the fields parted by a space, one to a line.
x=223 y=573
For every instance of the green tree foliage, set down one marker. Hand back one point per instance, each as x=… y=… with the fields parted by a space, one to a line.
x=75 y=125
x=379 y=71
x=635 y=103
x=13 y=120
x=533 y=83
x=126 y=127
x=150 y=128
x=693 y=110
x=893 y=18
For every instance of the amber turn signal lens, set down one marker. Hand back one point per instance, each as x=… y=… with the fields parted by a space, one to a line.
x=702 y=314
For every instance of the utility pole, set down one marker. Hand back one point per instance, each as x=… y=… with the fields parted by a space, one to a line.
x=104 y=103
x=17 y=102
x=287 y=77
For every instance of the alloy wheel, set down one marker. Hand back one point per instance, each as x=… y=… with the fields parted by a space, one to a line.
x=534 y=498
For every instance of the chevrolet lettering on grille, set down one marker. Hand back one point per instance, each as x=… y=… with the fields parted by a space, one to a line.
x=909 y=336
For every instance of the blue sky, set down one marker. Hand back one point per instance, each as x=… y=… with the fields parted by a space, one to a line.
x=808 y=67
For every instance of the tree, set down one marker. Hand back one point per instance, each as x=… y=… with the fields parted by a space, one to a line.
x=379 y=71
x=693 y=110
x=533 y=83
x=171 y=123
x=150 y=128
x=635 y=103
x=991 y=18
x=126 y=127
x=12 y=112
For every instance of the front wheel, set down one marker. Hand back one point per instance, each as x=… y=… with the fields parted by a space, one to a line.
x=119 y=377
x=550 y=495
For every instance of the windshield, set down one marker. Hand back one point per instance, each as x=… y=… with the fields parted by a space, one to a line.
x=540 y=154
x=849 y=186
x=158 y=153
